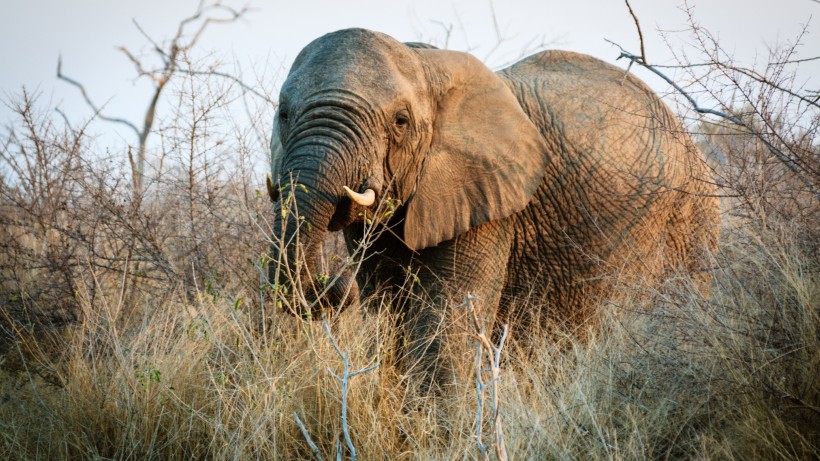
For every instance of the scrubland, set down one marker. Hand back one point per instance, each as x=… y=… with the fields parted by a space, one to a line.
x=142 y=326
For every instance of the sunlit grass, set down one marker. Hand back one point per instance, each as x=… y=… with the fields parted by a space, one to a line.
x=731 y=376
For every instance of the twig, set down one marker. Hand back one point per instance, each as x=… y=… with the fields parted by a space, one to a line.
x=344 y=380
x=247 y=88
x=494 y=356
x=703 y=110
x=788 y=162
x=157 y=48
x=97 y=109
x=171 y=65
x=306 y=434
x=637 y=26
x=448 y=31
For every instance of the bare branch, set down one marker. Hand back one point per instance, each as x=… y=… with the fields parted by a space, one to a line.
x=344 y=380
x=784 y=158
x=97 y=110
x=493 y=354
x=798 y=61
x=137 y=64
x=448 y=31
x=637 y=59
x=306 y=435
x=234 y=16
x=638 y=27
x=156 y=46
x=161 y=77
x=499 y=37
x=762 y=79
x=247 y=88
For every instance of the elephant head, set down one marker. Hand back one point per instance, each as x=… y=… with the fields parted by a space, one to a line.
x=364 y=118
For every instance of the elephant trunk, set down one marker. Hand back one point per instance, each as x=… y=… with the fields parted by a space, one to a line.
x=309 y=199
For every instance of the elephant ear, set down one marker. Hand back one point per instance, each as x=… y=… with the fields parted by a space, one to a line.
x=486 y=157
x=276 y=154
x=421 y=45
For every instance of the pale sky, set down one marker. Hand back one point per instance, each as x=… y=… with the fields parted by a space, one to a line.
x=86 y=33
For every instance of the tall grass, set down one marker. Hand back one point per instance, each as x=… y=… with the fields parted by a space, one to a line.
x=680 y=376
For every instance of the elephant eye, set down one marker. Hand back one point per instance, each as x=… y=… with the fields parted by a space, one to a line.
x=402 y=119
x=283 y=115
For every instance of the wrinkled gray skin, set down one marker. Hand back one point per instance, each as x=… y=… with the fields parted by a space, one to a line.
x=532 y=183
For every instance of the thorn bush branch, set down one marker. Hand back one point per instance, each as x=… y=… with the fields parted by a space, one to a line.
x=777 y=153
x=638 y=27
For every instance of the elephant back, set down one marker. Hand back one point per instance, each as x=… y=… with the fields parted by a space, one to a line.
x=626 y=187
x=603 y=118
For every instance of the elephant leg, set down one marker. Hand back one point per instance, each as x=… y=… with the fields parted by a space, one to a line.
x=438 y=329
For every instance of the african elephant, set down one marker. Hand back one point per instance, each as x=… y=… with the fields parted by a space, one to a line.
x=527 y=184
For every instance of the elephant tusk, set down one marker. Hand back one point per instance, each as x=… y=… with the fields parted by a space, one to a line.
x=367 y=198
x=273 y=192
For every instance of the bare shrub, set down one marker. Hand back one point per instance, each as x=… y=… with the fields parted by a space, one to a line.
x=68 y=209
x=44 y=210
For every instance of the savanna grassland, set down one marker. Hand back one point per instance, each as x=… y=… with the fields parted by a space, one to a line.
x=136 y=321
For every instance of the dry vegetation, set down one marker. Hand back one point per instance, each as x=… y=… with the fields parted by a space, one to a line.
x=139 y=327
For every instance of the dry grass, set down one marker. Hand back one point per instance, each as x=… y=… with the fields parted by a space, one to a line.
x=734 y=376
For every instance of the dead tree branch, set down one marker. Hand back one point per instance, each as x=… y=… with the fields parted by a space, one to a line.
x=306 y=435
x=484 y=347
x=171 y=56
x=97 y=109
x=344 y=380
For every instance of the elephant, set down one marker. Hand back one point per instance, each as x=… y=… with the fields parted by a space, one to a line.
x=524 y=188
